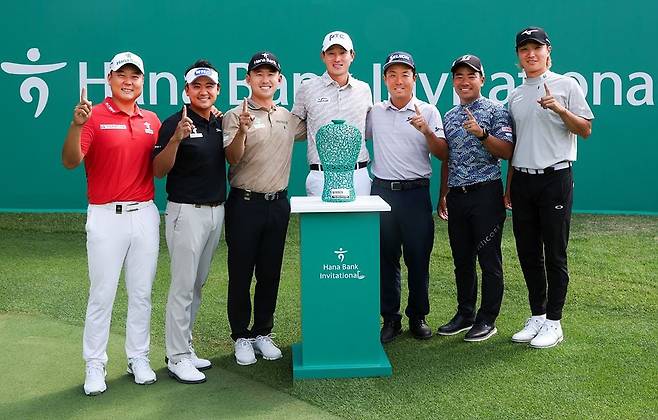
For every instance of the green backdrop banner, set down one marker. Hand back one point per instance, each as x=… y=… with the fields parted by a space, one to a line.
x=52 y=49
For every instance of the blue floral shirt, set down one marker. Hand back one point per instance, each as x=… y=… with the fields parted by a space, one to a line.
x=469 y=162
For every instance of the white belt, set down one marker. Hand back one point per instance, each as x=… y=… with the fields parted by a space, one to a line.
x=121 y=207
x=556 y=167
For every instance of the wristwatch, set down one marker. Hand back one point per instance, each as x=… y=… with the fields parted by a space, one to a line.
x=485 y=134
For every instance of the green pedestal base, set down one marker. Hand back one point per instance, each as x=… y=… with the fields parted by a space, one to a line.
x=380 y=366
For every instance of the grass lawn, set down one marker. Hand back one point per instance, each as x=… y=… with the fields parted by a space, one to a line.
x=607 y=367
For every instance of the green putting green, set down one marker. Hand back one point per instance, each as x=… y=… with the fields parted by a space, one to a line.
x=42 y=376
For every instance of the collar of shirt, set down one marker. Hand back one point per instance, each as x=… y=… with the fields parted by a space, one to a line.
x=329 y=81
x=257 y=107
x=472 y=105
x=539 y=79
x=198 y=119
x=408 y=107
x=113 y=108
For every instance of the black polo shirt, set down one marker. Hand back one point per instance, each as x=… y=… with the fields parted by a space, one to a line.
x=199 y=173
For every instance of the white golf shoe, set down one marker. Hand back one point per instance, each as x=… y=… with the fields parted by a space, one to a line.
x=264 y=346
x=140 y=369
x=244 y=352
x=530 y=330
x=95 y=379
x=199 y=363
x=185 y=372
x=550 y=335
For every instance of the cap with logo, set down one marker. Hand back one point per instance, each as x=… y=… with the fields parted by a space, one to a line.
x=337 y=38
x=532 y=33
x=469 y=60
x=197 y=72
x=124 y=58
x=263 y=58
x=399 y=57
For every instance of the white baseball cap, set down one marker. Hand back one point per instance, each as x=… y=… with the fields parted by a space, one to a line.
x=337 y=38
x=124 y=58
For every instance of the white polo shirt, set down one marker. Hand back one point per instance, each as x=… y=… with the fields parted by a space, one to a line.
x=401 y=151
x=542 y=138
x=321 y=99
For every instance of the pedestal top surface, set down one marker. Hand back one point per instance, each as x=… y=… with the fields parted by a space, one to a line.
x=362 y=203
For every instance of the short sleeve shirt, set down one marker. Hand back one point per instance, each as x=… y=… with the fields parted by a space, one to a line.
x=199 y=172
x=400 y=150
x=542 y=138
x=265 y=165
x=321 y=100
x=469 y=162
x=117 y=153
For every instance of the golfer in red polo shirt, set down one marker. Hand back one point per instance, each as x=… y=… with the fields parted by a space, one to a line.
x=115 y=139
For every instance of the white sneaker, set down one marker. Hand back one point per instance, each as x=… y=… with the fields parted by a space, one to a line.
x=139 y=367
x=95 y=379
x=550 y=335
x=530 y=330
x=264 y=346
x=185 y=372
x=244 y=352
x=199 y=363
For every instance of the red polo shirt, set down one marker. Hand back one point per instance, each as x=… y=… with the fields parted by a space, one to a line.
x=117 y=150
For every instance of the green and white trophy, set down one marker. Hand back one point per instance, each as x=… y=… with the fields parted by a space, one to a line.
x=338 y=146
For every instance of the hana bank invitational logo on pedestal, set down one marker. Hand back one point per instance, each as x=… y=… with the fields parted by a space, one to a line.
x=341 y=270
x=31 y=83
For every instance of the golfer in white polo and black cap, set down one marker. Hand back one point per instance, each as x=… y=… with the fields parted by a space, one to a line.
x=334 y=95
x=549 y=111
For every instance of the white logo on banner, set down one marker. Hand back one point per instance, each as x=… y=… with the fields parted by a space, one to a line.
x=340 y=253
x=30 y=83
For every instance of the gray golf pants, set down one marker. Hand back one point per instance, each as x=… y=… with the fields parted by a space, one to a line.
x=192 y=233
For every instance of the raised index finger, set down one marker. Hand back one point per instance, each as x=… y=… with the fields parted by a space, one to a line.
x=470 y=115
x=548 y=92
x=417 y=109
x=184 y=113
x=244 y=105
x=83 y=95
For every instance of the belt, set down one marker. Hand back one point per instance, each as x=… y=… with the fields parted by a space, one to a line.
x=252 y=195
x=318 y=167
x=401 y=185
x=210 y=204
x=560 y=165
x=122 y=207
x=463 y=189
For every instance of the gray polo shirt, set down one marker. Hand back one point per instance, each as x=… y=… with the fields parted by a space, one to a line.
x=542 y=138
x=401 y=151
x=321 y=99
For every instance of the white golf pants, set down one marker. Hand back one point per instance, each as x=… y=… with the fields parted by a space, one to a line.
x=120 y=235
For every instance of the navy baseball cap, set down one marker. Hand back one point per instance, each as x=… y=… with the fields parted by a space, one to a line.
x=532 y=33
x=400 y=57
x=469 y=60
x=263 y=58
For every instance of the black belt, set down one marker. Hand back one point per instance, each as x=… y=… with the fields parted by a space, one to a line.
x=210 y=204
x=252 y=195
x=470 y=188
x=401 y=185
x=317 y=167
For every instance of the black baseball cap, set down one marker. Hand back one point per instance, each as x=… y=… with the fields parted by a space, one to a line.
x=400 y=57
x=532 y=33
x=469 y=60
x=263 y=58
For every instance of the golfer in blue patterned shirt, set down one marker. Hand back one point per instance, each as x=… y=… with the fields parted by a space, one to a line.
x=479 y=135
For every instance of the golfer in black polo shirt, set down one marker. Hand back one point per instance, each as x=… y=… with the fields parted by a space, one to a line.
x=190 y=152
